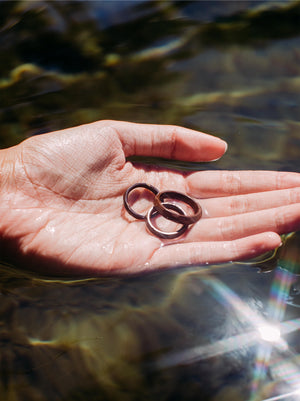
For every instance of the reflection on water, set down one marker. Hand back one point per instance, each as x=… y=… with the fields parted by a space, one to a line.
x=208 y=333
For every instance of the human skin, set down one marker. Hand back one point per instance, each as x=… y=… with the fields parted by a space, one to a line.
x=61 y=201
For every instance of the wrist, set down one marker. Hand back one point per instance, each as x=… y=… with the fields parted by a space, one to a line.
x=8 y=201
x=7 y=170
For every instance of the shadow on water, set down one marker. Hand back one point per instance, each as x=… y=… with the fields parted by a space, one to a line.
x=205 y=333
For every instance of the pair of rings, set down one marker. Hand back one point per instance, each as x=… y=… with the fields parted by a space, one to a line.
x=162 y=206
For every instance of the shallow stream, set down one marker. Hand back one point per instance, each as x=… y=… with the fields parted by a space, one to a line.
x=225 y=332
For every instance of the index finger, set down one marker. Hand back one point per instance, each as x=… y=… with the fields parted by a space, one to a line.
x=223 y=183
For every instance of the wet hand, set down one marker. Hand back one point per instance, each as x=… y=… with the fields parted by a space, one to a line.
x=61 y=202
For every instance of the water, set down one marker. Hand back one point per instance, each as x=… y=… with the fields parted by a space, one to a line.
x=221 y=332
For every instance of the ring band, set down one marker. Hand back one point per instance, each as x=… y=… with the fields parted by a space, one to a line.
x=172 y=214
x=163 y=234
x=161 y=206
x=126 y=195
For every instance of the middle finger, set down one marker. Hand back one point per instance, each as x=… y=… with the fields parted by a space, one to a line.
x=238 y=204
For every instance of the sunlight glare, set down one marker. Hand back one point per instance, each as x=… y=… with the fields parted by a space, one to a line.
x=269 y=333
x=284 y=396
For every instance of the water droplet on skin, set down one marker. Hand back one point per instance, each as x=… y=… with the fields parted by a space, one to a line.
x=204 y=212
x=39 y=218
x=50 y=229
x=108 y=248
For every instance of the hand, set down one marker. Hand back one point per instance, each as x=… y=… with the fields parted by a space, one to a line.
x=61 y=206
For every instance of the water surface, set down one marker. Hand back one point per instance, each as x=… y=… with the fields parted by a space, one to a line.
x=222 y=332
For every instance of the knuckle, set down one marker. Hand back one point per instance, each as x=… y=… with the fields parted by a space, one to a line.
x=172 y=143
x=287 y=219
x=227 y=229
x=280 y=219
x=231 y=182
x=235 y=251
x=294 y=195
x=107 y=122
x=238 y=205
x=280 y=180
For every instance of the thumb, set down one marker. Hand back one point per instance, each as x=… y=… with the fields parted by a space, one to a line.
x=168 y=141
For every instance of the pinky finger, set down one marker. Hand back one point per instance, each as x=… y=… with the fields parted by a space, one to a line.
x=213 y=252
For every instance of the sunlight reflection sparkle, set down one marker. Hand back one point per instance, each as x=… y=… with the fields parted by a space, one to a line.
x=270 y=333
x=275 y=361
x=284 y=396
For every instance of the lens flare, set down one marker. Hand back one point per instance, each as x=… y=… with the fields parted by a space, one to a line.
x=269 y=333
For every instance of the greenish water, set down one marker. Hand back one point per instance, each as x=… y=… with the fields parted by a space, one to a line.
x=230 y=68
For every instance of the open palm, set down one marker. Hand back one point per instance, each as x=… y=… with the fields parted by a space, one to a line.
x=61 y=202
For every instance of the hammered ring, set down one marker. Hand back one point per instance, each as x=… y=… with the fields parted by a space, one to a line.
x=160 y=206
x=126 y=195
x=163 y=234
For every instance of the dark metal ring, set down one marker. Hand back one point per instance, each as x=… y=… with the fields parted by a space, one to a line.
x=163 y=234
x=126 y=195
x=173 y=214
